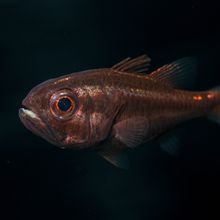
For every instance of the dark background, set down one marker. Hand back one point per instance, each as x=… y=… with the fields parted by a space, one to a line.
x=44 y=39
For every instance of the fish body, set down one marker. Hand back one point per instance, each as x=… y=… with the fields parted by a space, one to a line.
x=112 y=109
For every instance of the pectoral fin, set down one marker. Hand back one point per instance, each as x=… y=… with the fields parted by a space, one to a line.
x=132 y=131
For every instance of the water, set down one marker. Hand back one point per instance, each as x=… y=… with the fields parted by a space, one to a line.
x=42 y=40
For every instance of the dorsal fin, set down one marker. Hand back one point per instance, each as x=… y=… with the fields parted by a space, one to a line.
x=178 y=74
x=137 y=65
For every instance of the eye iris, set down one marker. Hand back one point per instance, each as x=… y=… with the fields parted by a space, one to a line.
x=64 y=104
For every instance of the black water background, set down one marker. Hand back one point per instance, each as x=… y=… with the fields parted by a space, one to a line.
x=44 y=39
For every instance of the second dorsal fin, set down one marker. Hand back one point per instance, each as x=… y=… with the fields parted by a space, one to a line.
x=178 y=74
x=137 y=65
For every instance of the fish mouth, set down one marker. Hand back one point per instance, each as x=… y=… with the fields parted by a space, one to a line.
x=28 y=113
x=32 y=121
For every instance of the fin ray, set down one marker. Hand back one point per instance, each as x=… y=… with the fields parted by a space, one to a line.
x=114 y=154
x=137 y=65
x=131 y=132
x=178 y=74
x=171 y=145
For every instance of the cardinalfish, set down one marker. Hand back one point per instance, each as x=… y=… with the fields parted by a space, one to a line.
x=113 y=109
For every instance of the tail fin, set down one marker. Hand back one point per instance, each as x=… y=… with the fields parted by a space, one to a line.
x=214 y=115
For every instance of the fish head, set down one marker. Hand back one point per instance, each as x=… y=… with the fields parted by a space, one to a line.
x=67 y=114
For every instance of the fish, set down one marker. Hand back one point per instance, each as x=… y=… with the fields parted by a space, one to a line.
x=111 y=110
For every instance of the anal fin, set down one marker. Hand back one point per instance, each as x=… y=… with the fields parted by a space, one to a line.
x=171 y=142
x=171 y=145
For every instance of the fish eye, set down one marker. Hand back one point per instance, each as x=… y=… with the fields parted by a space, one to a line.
x=62 y=104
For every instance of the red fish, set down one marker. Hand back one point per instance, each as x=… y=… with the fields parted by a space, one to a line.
x=111 y=109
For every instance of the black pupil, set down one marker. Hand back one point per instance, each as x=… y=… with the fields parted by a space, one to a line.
x=64 y=104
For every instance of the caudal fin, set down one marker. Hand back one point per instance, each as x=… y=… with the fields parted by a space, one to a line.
x=214 y=115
